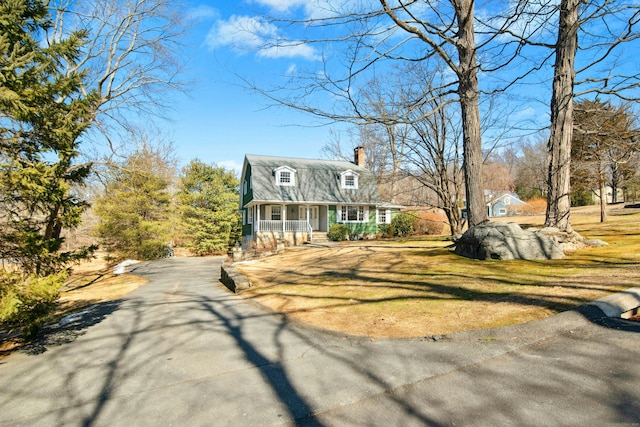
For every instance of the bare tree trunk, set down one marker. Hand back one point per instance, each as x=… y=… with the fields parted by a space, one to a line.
x=602 y=181
x=615 y=180
x=469 y=97
x=603 y=202
x=559 y=147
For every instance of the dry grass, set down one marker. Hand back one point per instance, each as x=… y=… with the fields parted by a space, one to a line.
x=91 y=282
x=418 y=287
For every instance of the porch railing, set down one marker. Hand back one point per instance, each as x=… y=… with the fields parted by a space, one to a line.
x=286 y=226
x=293 y=226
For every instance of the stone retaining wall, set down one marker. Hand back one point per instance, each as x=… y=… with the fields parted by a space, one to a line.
x=233 y=279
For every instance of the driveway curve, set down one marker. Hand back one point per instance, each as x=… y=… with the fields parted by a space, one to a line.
x=182 y=350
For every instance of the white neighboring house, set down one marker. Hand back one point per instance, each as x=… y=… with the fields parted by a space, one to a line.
x=609 y=195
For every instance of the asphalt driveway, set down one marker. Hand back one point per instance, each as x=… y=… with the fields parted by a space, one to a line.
x=182 y=350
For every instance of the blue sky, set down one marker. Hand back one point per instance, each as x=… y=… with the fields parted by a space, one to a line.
x=219 y=121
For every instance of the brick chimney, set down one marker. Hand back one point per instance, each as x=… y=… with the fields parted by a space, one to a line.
x=358 y=156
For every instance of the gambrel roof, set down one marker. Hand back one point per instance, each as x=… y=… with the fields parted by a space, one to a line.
x=316 y=181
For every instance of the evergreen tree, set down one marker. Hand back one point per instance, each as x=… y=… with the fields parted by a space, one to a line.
x=135 y=211
x=43 y=114
x=207 y=200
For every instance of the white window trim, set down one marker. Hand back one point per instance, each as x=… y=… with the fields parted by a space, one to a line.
x=343 y=180
x=387 y=216
x=292 y=173
x=365 y=214
x=270 y=212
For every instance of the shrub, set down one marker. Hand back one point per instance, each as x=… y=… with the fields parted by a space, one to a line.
x=338 y=232
x=535 y=206
x=27 y=301
x=402 y=224
x=581 y=198
x=385 y=230
x=153 y=250
x=428 y=223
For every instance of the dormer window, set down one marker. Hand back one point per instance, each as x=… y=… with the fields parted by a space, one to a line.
x=285 y=176
x=349 y=180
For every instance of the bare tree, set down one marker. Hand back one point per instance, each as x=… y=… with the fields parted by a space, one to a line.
x=605 y=140
x=434 y=159
x=388 y=102
x=132 y=59
x=531 y=168
x=447 y=30
x=589 y=60
x=558 y=201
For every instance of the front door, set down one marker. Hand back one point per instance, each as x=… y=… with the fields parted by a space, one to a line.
x=310 y=213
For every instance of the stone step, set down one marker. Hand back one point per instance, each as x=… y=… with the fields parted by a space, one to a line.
x=320 y=237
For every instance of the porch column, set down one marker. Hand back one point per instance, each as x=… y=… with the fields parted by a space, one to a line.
x=283 y=211
x=257 y=218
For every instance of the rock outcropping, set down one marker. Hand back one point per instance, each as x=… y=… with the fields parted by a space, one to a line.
x=504 y=241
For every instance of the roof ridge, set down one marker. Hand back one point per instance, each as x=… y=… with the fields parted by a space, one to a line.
x=300 y=158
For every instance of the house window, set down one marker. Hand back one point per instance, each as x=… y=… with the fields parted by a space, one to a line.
x=507 y=200
x=502 y=211
x=276 y=213
x=384 y=216
x=250 y=215
x=352 y=214
x=285 y=176
x=349 y=180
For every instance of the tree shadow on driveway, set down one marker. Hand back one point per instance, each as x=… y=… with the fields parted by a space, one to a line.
x=184 y=351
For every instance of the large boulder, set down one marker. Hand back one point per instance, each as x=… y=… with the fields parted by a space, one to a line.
x=571 y=240
x=505 y=241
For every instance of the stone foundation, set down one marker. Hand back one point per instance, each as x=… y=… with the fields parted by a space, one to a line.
x=269 y=240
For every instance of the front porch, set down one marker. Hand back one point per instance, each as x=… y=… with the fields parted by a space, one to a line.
x=293 y=224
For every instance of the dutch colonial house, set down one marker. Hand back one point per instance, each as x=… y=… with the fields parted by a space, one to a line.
x=298 y=200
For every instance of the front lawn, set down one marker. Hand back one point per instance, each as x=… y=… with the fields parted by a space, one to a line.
x=418 y=287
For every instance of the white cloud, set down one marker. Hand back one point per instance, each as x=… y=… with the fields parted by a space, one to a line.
x=241 y=32
x=281 y=5
x=247 y=33
x=204 y=12
x=289 y=50
x=231 y=165
x=309 y=8
x=523 y=114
